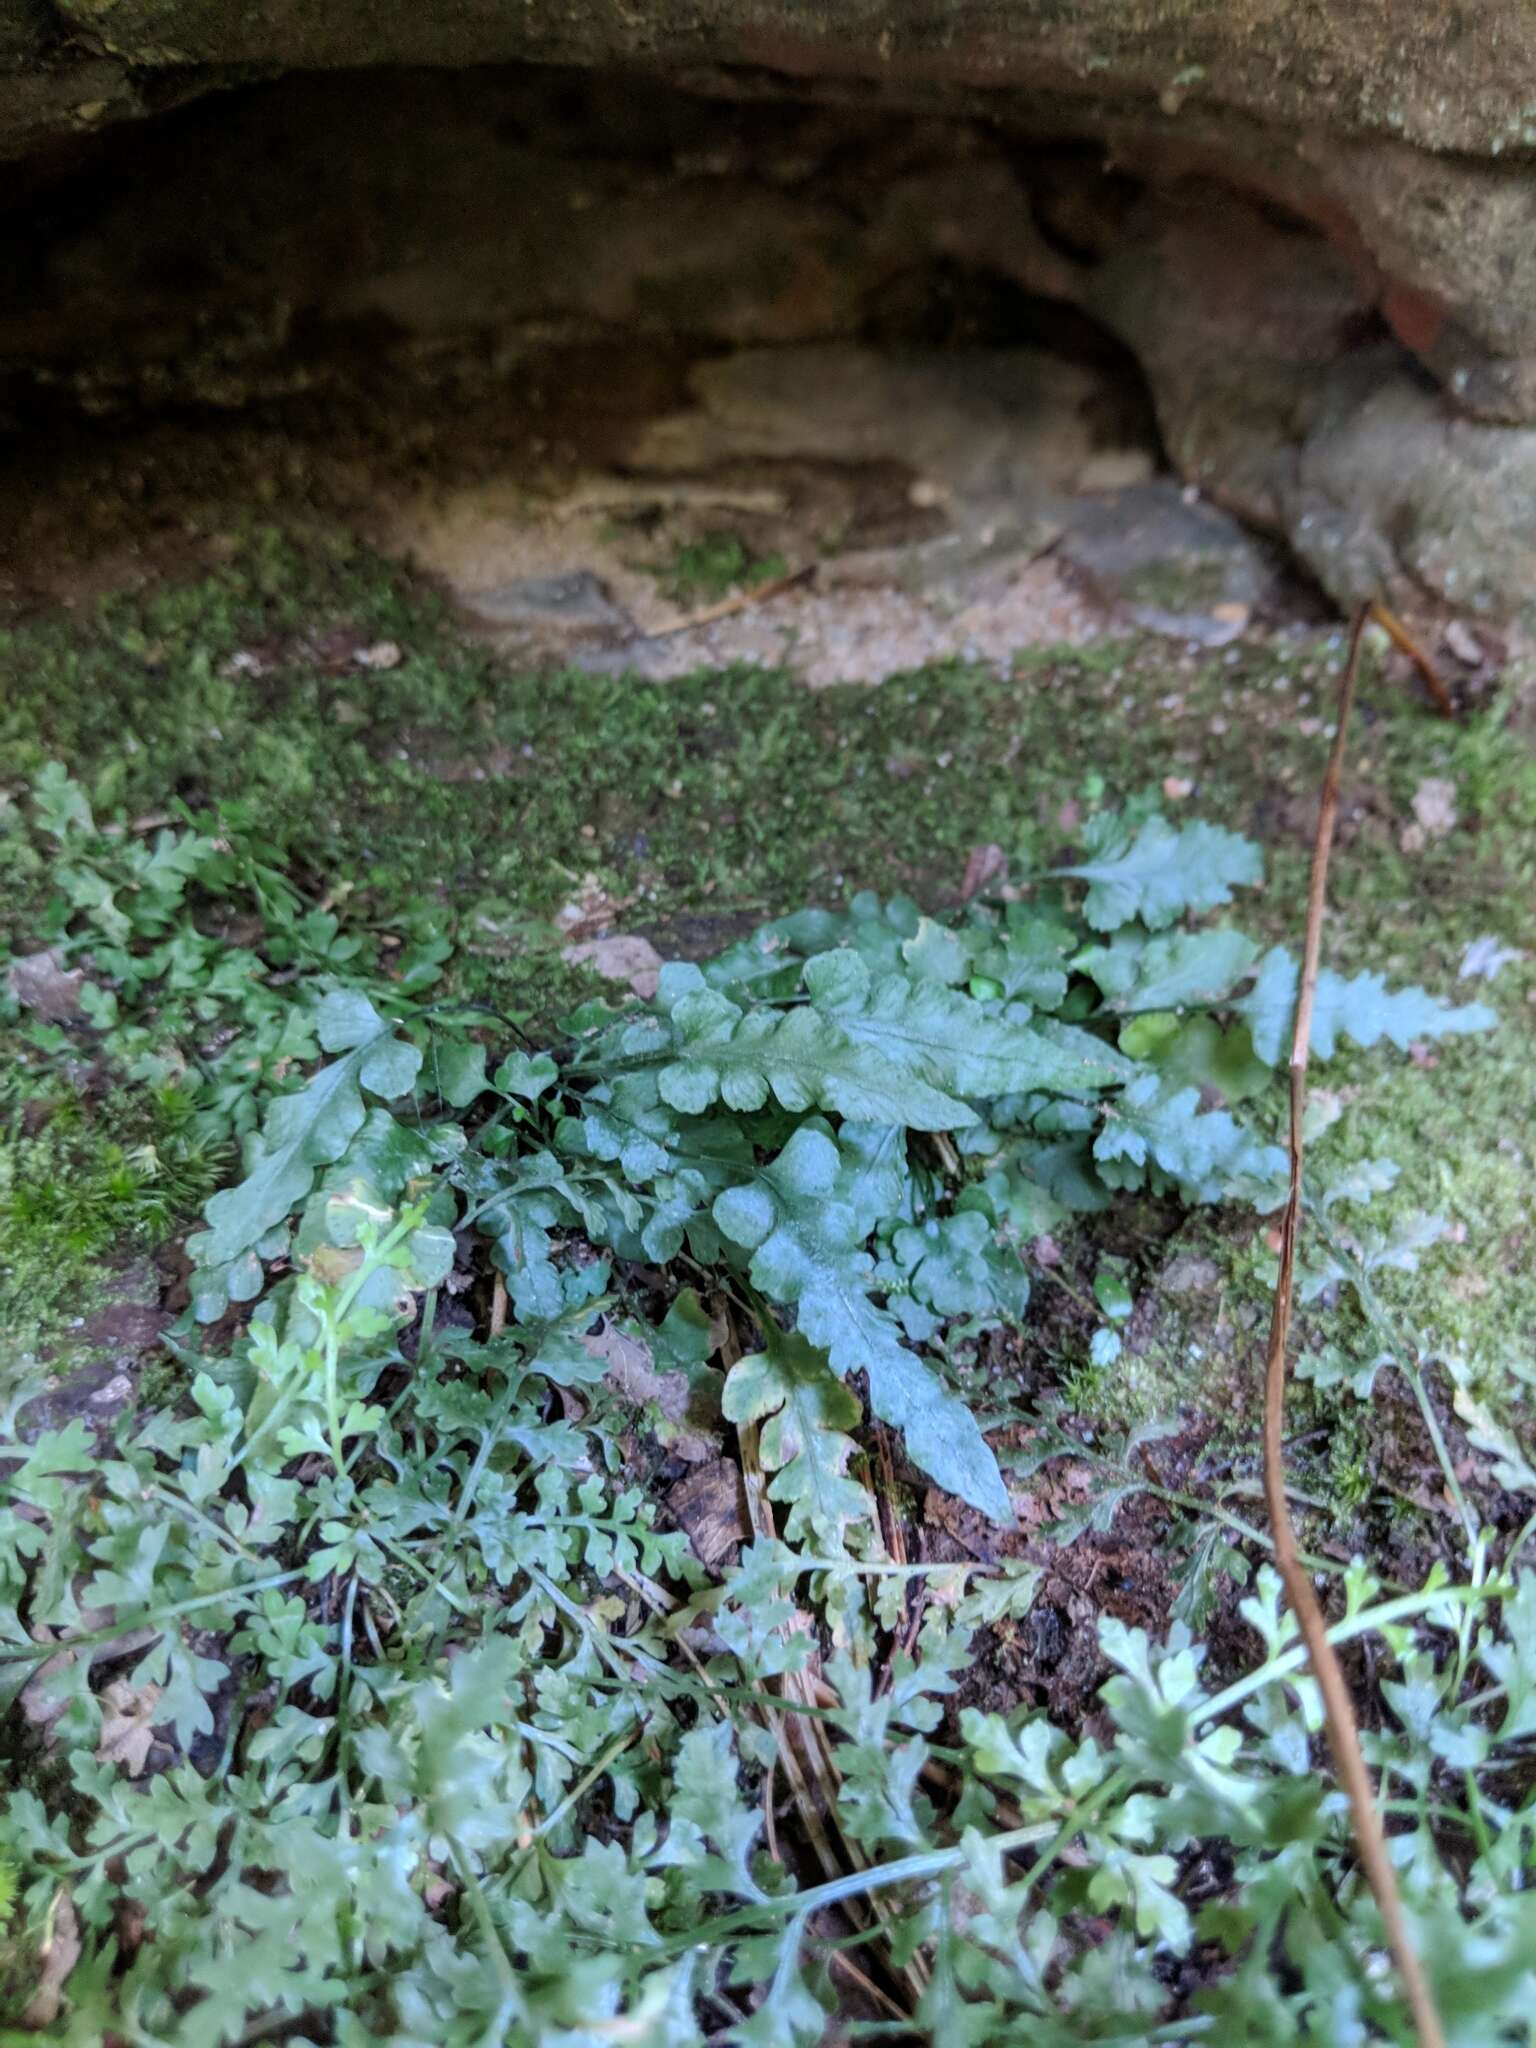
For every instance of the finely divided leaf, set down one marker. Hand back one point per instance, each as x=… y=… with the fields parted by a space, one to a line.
x=1208 y=1154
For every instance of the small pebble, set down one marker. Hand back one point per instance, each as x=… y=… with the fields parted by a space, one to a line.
x=382 y=654
x=1463 y=643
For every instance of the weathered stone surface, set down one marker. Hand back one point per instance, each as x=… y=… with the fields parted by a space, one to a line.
x=1278 y=392
x=1400 y=125
x=574 y=602
x=24 y=27
x=530 y=206
x=1001 y=426
x=1447 y=78
x=1175 y=567
x=1395 y=494
x=1305 y=206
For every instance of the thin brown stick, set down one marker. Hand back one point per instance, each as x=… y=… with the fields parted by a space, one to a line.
x=895 y=1535
x=498 y=1305
x=755 y=1486
x=867 y=1985
x=1405 y=643
x=741 y=601
x=896 y=1541
x=1343 y=1734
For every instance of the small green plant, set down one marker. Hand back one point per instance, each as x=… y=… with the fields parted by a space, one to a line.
x=863 y=1113
x=171 y=998
x=706 y=570
x=114 y=1130
x=370 y=1668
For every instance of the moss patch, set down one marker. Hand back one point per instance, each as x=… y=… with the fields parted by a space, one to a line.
x=84 y=1181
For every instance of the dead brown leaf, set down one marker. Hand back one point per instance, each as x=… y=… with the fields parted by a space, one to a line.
x=383 y=654
x=620 y=958
x=1464 y=644
x=985 y=865
x=1434 y=806
x=58 y=1955
x=41 y=984
x=711 y=1504
x=128 y=1725
x=41 y=1706
x=591 y=911
x=629 y=1368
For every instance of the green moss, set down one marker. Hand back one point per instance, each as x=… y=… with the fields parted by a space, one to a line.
x=706 y=570
x=492 y=793
x=83 y=1182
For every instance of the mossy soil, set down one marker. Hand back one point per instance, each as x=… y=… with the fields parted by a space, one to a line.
x=444 y=787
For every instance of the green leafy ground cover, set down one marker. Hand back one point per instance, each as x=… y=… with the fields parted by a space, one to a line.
x=387 y=1678
x=706 y=570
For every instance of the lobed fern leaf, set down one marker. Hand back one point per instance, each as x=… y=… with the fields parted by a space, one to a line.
x=805 y=1412
x=1160 y=871
x=1207 y=1154
x=954 y=1042
x=1182 y=970
x=721 y=1053
x=805 y=1228
x=1361 y=1008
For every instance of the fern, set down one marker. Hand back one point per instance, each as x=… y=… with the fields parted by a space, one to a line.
x=805 y=1413
x=437 y=1672
x=1184 y=969
x=302 y=1132
x=1160 y=871
x=722 y=1053
x=1361 y=1008
x=954 y=1042
x=805 y=1223
x=776 y=1109
x=1160 y=1135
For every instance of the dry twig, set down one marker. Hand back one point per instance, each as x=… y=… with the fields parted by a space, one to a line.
x=1405 y=643
x=742 y=601
x=1343 y=1734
